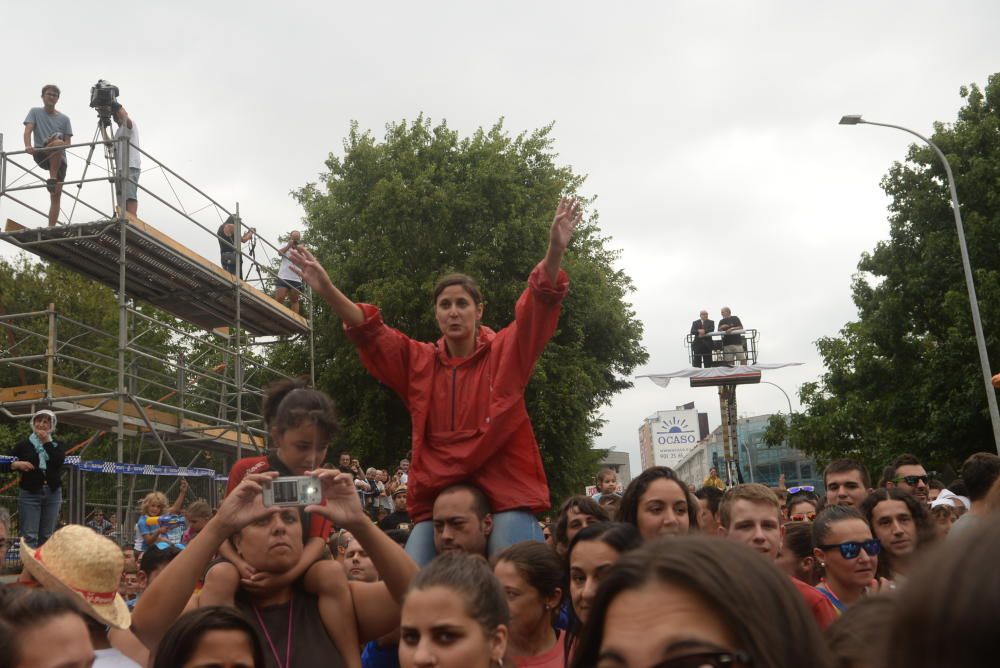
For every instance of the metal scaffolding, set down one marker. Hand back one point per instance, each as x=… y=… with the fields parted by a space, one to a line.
x=206 y=391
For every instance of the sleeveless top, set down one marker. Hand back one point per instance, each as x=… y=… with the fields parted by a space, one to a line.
x=312 y=646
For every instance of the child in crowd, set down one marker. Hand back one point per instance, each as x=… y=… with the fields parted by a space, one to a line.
x=197 y=516
x=159 y=523
x=607 y=483
x=301 y=423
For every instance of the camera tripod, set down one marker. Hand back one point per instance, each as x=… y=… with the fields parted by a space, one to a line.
x=109 y=157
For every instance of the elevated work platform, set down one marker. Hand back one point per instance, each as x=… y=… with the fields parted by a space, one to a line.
x=78 y=407
x=160 y=271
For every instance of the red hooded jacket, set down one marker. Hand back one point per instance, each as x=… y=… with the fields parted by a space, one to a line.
x=469 y=421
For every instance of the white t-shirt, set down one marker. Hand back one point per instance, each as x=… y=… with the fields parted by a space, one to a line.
x=285 y=270
x=112 y=658
x=134 y=157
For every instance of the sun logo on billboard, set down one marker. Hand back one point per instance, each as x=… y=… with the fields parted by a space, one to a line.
x=674 y=426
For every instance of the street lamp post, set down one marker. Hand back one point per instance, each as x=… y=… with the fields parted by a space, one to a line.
x=984 y=361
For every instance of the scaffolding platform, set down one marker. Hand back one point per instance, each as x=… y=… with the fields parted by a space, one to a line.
x=160 y=271
x=78 y=407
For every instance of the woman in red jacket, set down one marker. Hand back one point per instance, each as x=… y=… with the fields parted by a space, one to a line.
x=465 y=393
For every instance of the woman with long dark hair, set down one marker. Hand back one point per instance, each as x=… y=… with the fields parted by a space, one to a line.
x=214 y=636
x=699 y=601
x=531 y=574
x=657 y=503
x=591 y=555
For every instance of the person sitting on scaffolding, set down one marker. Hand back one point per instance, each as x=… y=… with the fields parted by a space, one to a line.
x=128 y=128
x=288 y=284
x=227 y=243
x=733 y=345
x=52 y=131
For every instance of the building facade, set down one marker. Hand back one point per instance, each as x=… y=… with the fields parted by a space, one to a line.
x=757 y=461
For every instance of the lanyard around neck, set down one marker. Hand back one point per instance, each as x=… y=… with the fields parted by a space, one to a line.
x=270 y=642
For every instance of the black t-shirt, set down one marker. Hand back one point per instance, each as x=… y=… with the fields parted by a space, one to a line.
x=227 y=242
x=735 y=340
x=398 y=519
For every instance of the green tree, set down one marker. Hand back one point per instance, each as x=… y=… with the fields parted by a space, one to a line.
x=905 y=376
x=394 y=215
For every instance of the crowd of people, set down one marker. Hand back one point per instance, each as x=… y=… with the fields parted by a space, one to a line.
x=446 y=564
x=844 y=575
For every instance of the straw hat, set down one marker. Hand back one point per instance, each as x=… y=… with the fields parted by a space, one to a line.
x=78 y=560
x=399 y=490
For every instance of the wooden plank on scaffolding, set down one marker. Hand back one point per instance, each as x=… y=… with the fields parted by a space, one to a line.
x=160 y=271
x=102 y=413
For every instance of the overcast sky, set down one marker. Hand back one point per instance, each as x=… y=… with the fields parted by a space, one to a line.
x=708 y=130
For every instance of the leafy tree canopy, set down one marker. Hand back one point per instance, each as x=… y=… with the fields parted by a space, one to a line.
x=394 y=215
x=905 y=376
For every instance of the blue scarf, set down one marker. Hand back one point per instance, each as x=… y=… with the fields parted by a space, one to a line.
x=43 y=457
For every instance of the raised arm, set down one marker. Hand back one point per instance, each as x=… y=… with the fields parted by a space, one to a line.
x=179 y=501
x=312 y=272
x=568 y=216
x=376 y=605
x=164 y=599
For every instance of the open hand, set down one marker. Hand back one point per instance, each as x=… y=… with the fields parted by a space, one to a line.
x=342 y=507
x=308 y=267
x=262 y=581
x=569 y=213
x=245 y=503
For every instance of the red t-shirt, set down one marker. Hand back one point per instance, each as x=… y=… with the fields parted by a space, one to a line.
x=819 y=606
x=319 y=526
x=553 y=658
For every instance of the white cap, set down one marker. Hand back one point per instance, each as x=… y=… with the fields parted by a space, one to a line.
x=945 y=498
x=46 y=411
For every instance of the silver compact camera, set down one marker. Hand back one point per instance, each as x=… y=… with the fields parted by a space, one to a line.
x=293 y=490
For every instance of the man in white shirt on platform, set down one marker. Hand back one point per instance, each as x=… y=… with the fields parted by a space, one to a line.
x=289 y=285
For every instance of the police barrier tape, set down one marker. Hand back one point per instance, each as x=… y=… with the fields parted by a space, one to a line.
x=133 y=469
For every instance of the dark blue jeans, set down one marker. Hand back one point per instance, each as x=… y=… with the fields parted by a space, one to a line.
x=38 y=513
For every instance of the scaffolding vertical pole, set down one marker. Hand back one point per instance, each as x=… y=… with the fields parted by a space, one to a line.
x=238 y=350
x=3 y=167
x=122 y=332
x=724 y=414
x=50 y=353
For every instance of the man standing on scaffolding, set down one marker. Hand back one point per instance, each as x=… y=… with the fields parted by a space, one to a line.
x=701 y=345
x=127 y=128
x=52 y=131
x=227 y=243
x=288 y=284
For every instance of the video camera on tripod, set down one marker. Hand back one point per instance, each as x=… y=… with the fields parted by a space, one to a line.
x=102 y=96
